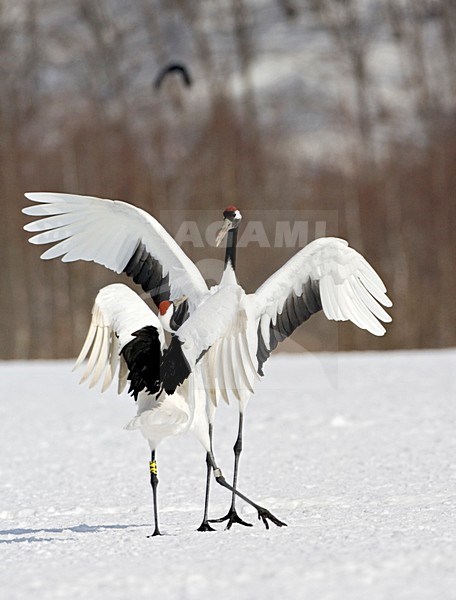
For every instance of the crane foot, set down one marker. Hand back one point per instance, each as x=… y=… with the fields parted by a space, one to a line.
x=232 y=517
x=155 y=533
x=205 y=526
x=264 y=515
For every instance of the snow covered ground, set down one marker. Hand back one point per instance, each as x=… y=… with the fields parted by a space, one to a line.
x=356 y=452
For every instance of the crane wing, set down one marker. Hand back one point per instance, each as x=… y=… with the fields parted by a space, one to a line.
x=119 y=236
x=118 y=316
x=218 y=333
x=326 y=275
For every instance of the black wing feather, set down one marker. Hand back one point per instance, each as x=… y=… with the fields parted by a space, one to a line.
x=148 y=273
x=295 y=311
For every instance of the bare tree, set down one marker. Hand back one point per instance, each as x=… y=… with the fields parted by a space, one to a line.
x=70 y=120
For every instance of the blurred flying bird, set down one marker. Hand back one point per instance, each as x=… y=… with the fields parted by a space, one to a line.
x=178 y=68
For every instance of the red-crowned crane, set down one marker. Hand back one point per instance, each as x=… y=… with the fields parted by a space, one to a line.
x=326 y=275
x=125 y=238
x=229 y=334
x=125 y=336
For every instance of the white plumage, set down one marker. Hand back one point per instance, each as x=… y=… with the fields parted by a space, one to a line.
x=349 y=287
x=116 y=314
x=108 y=232
x=221 y=325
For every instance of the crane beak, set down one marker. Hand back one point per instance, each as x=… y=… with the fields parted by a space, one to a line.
x=180 y=301
x=227 y=224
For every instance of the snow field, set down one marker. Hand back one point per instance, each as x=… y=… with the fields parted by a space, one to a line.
x=356 y=452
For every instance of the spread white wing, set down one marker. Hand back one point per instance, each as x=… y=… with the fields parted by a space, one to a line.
x=326 y=275
x=119 y=236
x=219 y=334
x=117 y=313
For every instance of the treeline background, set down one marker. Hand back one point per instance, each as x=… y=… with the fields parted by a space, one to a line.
x=345 y=106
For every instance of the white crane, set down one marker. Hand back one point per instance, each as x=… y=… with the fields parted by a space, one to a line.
x=326 y=275
x=125 y=238
x=126 y=336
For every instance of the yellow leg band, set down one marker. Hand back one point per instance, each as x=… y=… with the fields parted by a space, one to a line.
x=153 y=467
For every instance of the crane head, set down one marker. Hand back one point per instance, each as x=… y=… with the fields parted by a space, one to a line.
x=166 y=311
x=231 y=219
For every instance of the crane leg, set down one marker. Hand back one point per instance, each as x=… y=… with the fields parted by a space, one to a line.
x=232 y=516
x=205 y=526
x=263 y=513
x=154 y=484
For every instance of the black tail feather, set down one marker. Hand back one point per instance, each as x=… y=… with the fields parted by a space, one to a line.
x=143 y=355
x=174 y=366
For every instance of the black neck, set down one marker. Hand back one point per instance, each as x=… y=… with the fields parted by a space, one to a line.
x=230 y=252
